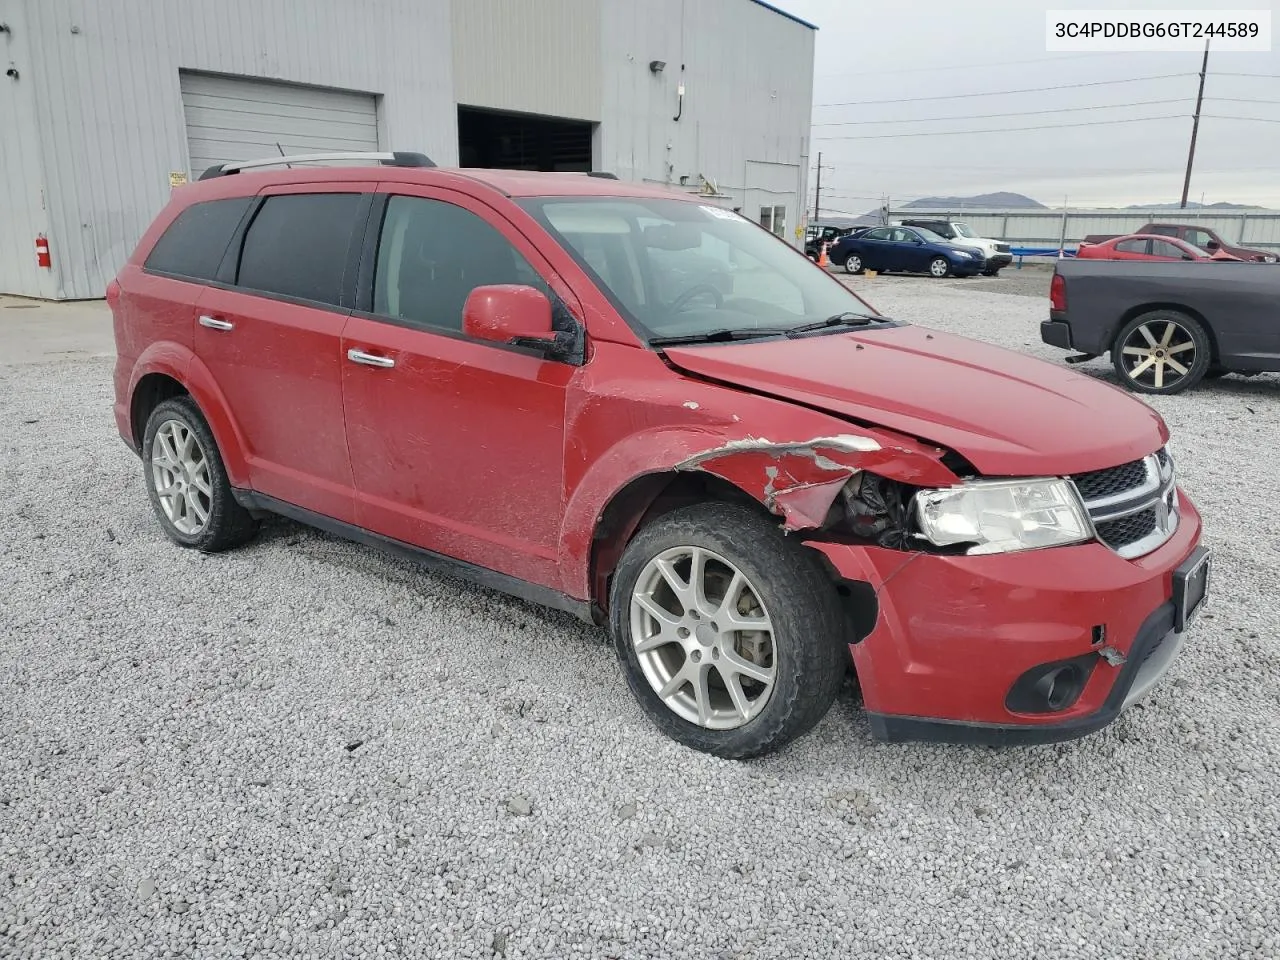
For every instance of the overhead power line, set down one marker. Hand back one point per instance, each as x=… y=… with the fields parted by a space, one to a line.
x=1043 y=126
x=1218 y=116
x=965 y=66
x=1001 y=93
x=1018 y=113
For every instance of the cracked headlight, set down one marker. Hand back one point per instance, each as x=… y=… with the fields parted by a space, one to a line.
x=1001 y=516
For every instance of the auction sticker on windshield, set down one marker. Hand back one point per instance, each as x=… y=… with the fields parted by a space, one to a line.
x=718 y=212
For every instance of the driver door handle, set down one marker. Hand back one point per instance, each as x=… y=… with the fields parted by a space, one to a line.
x=369 y=359
x=215 y=323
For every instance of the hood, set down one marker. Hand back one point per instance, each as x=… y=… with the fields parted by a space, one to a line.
x=1008 y=414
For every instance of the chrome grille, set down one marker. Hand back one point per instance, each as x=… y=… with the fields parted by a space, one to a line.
x=1133 y=506
x=1107 y=483
x=1127 y=530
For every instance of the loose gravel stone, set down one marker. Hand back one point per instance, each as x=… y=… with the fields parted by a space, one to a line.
x=519 y=806
x=1144 y=840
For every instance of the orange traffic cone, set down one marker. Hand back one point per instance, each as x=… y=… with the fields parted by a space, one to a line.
x=823 y=259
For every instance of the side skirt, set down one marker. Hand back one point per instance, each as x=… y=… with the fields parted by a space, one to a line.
x=522 y=589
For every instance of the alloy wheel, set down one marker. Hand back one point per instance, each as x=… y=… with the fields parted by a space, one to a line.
x=1158 y=354
x=703 y=638
x=180 y=472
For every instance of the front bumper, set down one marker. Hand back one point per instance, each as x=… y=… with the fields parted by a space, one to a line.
x=968 y=267
x=954 y=634
x=998 y=261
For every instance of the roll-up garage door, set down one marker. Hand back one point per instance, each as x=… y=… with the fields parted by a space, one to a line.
x=235 y=118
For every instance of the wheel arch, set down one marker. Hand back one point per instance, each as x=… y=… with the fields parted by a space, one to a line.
x=168 y=370
x=642 y=500
x=151 y=390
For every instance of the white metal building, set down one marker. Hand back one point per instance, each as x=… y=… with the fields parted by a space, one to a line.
x=107 y=103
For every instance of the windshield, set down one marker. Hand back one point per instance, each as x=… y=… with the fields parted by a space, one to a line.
x=962 y=229
x=675 y=269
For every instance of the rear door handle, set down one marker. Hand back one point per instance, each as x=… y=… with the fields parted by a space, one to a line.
x=369 y=359
x=213 y=323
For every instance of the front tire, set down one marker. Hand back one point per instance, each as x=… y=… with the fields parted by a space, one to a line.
x=939 y=267
x=728 y=633
x=1161 y=351
x=187 y=482
x=853 y=264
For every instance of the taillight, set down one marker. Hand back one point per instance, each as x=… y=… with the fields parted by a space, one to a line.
x=113 y=292
x=1058 y=293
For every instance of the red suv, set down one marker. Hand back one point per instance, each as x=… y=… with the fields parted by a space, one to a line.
x=633 y=405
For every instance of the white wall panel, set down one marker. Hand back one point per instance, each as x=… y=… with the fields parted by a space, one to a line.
x=111 y=126
x=538 y=57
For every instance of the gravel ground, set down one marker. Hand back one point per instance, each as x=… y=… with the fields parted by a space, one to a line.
x=305 y=748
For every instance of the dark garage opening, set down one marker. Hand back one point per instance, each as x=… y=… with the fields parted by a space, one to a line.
x=521 y=141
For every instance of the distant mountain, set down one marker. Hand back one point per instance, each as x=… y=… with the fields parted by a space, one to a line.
x=983 y=201
x=1220 y=205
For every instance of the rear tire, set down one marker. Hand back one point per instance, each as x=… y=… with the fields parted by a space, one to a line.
x=767 y=672
x=1161 y=352
x=853 y=264
x=187 y=482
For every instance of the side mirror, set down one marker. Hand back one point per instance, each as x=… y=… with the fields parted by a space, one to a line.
x=519 y=315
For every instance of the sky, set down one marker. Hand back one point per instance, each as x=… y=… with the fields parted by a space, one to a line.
x=1110 y=154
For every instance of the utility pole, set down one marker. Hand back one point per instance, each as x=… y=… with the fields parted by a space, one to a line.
x=817 y=192
x=1195 y=126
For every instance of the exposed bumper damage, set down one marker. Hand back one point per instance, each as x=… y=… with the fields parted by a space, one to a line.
x=800 y=480
x=953 y=638
x=953 y=635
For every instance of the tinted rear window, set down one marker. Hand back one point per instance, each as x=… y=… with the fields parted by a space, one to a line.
x=297 y=245
x=195 y=242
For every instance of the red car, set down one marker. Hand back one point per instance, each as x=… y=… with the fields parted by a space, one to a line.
x=647 y=410
x=1141 y=246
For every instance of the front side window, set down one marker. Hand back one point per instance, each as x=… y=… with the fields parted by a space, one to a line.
x=194 y=244
x=432 y=254
x=928 y=236
x=1163 y=248
x=297 y=245
x=1199 y=238
x=675 y=268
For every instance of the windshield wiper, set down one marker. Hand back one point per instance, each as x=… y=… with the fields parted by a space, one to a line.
x=846 y=319
x=721 y=335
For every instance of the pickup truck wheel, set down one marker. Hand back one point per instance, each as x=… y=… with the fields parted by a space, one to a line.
x=187 y=483
x=939 y=266
x=853 y=263
x=729 y=633
x=1163 y=351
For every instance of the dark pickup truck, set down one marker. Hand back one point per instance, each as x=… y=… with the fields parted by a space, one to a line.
x=1201 y=237
x=1167 y=325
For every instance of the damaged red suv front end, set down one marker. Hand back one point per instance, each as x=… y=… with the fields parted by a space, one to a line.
x=958 y=641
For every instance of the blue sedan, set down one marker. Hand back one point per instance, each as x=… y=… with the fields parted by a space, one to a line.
x=909 y=249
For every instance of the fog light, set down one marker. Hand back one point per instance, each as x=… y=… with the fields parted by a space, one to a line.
x=1051 y=687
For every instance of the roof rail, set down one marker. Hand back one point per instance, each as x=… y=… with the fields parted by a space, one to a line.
x=392 y=158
